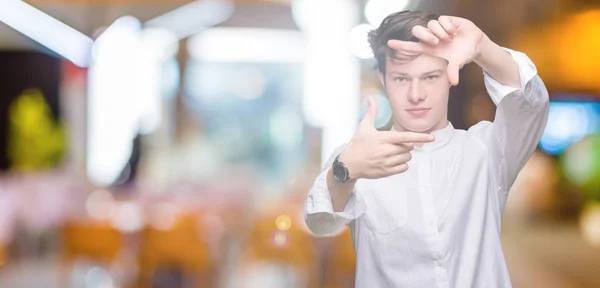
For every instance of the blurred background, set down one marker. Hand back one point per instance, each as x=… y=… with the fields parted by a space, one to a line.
x=148 y=143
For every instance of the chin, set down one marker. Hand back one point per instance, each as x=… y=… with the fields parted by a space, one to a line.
x=419 y=126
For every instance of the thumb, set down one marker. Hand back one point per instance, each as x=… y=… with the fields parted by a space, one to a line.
x=453 y=69
x=371 y=114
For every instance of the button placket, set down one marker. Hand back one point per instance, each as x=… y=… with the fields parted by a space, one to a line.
x=430 y=217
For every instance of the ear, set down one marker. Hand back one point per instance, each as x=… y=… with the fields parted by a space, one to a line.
x=381 y=77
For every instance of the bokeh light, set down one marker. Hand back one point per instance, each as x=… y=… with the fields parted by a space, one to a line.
x=251 y=83
x=98 y=277
x=568 y=122
x=581 y=164
x=283 y=222
x=377 y=10
x=100 y=204
x=590 y=224
x=384 y=113
x=280 y=239
x=128 y=217
x=163 y=216
x=359 y=41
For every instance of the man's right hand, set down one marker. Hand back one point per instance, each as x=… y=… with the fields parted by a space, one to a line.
x=373 y=154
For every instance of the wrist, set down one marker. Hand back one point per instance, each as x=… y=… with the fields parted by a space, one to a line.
x=346 y=158
x=485 y=49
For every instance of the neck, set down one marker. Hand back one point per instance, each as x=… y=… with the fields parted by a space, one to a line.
x=439 y=126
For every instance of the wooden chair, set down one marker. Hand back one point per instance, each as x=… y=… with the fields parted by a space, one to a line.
x=179 y=247
x=3 y=255
x=96 y=241
x=277 y=237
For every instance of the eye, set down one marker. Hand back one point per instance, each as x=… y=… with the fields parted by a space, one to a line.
x=400 y=79
x=431 y=77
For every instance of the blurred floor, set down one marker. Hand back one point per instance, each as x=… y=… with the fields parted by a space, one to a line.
x=531 y=253
x=31 y=274
x=551 y=255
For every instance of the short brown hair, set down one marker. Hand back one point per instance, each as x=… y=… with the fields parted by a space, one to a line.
x=396 y=26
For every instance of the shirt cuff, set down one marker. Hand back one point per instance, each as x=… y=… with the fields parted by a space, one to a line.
x=319 y=201
x=527 y=71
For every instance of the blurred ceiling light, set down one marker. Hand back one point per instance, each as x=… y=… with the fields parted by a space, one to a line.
x=247 y=45
x=312 y=15
x=49 y=32
x=125 y=92
x=113 y=116
x=377 y=10
x=329 y=98
x=159 y=42
x=194 y=17
x=359 y=41
x=589 y=224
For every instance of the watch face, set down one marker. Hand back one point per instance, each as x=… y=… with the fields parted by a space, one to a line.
x=339 y=172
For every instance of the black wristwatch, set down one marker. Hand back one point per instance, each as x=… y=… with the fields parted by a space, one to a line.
x=340 y=171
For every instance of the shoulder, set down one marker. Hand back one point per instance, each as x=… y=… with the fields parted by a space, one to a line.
x=477 y=133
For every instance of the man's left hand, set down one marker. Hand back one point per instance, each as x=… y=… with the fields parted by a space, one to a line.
x=455 y=39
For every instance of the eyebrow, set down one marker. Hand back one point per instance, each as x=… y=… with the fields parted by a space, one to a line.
x=422 y=75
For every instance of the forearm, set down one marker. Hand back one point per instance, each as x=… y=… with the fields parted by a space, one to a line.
x=340 y=192
x=498 y=63
x=520 y=119
x=330 y=205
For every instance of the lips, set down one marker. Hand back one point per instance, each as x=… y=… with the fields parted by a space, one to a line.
x=417 y=111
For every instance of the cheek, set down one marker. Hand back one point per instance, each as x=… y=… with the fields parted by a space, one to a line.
x=396 y=92
x=438 y=92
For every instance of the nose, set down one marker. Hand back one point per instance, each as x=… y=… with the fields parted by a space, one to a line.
x=416 y=93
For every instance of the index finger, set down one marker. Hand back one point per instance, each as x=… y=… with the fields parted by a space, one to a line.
x=398 y=137
x=411 y=47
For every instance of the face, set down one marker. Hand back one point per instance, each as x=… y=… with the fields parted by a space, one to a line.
x=418 y=93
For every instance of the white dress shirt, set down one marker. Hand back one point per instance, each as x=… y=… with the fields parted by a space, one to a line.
x=438 y=224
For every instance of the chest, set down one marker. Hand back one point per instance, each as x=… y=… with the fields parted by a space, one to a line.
x=440 y=185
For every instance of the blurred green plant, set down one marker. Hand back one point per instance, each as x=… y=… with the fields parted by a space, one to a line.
x=581 y=165
x=36 y=141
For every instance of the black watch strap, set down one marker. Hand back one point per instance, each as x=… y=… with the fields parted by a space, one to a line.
x=340 y=171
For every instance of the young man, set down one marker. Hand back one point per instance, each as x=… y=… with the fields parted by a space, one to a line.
x=424 y=201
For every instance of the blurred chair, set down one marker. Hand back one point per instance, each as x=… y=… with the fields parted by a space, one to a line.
x=3 y=255
x=176 y=248
x=279 y=246
x=341 y=263
x=94 y=241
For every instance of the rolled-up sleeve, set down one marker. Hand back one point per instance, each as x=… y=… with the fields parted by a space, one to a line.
x=521 y=116
x=318 y=212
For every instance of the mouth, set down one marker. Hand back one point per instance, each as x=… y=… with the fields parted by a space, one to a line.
x=418 y=111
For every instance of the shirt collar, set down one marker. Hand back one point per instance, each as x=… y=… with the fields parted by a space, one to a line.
x=442 y=136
